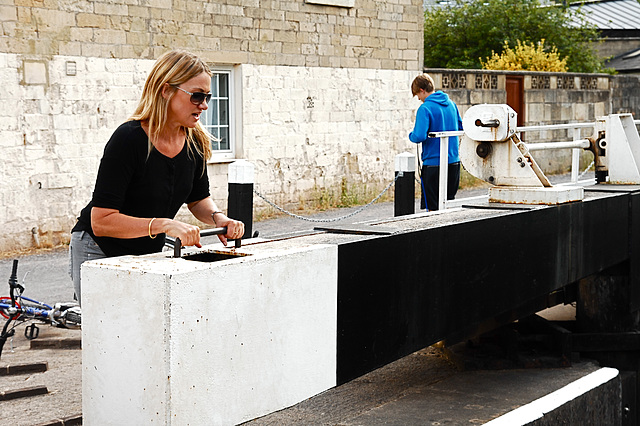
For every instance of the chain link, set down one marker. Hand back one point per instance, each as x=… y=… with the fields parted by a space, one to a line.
x=355 y=212
x=586 y=170
x=335 y=219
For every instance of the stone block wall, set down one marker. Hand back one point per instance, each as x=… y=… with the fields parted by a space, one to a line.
x=307 y=129
x=371 y=34
x=323 y=94
x=53 y=128
x=625 y=95
x=548 y=99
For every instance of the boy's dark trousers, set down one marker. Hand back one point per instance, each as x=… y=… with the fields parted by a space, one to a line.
x=431 y=182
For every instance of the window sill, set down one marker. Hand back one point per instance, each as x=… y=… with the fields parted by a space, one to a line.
x=220 y=160
x=337 y=3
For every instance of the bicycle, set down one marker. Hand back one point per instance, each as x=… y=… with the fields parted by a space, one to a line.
x=19 y=309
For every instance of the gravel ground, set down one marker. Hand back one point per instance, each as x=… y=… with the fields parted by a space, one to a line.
x=62 y=379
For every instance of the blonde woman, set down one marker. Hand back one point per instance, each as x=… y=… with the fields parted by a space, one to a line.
x=152 y=165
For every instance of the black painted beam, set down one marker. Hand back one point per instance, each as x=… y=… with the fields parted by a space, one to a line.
x=400 y=293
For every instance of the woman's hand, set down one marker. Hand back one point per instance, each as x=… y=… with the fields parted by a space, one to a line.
x=206 y=211
x=235 y=228
x=189 y=234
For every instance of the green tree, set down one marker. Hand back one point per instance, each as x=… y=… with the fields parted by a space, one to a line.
x=461 y=34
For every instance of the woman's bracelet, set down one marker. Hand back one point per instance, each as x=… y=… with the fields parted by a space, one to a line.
x=151 y=236
x=213 y=216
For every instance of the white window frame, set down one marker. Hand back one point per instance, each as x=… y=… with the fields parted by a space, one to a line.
x=224 y=156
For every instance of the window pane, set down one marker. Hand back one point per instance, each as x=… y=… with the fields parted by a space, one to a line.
x=214 y=85
x=213 y=111
x=204 y=118
x=215 y=145
x=224 y=85
x=217 y=117
x=224 y=112
x=224 y=136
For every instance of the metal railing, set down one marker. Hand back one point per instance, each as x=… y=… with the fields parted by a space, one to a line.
x=576 y=145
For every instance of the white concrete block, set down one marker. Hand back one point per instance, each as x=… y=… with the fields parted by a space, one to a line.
x=174 y=341
x=405 y=162
x=241 y=171
x=531 y=195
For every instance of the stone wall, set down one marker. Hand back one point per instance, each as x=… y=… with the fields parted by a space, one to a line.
x=371 y=34
x=308 y=129
x=614 y=46
x=625 y=94
x=323 y=94
x=549 y=98
x=53 y=128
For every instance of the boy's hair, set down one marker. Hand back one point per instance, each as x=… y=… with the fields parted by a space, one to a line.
x=424 y=82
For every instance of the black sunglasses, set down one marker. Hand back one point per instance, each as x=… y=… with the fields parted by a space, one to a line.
x=198 y=97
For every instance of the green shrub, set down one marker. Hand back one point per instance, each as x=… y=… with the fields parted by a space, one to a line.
x=525 y=56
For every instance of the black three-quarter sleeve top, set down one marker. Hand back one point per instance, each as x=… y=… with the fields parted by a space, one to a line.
x=138 y=186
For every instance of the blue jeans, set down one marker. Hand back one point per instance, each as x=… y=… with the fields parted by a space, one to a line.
x=81 y=248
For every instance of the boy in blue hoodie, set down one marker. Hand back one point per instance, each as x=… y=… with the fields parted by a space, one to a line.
x=437 y=113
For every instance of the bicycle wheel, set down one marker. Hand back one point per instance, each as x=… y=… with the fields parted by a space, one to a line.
x=3 y=311
x=73 y=318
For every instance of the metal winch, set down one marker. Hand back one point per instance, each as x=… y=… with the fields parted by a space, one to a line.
x=491 y=150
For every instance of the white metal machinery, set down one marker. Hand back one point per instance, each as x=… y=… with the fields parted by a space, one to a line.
x=491 y=150
x=617 y=149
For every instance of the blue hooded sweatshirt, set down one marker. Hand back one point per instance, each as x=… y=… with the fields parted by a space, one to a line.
x=437 y=113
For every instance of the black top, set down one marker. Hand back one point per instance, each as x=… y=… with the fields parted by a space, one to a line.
x=138 y=186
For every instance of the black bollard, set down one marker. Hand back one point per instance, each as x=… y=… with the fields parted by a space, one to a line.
x=240 y=202
x=404 y=196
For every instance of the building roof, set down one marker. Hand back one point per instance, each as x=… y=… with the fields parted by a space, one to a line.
x=611 y=14
x=626 y=63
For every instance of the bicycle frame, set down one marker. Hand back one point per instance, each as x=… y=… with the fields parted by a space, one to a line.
x=17 y=309
x=27 y=311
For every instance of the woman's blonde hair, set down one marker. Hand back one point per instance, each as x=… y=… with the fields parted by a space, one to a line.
x=173 y=68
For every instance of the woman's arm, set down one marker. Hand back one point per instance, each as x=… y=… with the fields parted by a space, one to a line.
x=111 y=223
